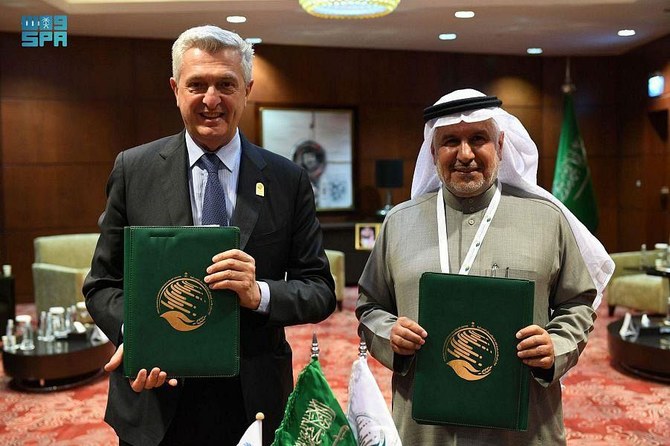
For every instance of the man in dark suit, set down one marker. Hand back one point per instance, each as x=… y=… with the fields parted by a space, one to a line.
x=280 y=274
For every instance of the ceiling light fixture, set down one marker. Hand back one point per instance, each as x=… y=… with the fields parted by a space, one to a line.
x=236 y=19
x=534 y=50
x=626 y=32
x=254 y=40
x=447 y=36
x=464 y=14
x=349 y=9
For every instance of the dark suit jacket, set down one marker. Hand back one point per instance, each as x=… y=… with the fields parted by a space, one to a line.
x=149 y=186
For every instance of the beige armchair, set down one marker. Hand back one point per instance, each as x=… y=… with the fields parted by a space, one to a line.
x=61 y=264
x=336 y=260
x=632 y=288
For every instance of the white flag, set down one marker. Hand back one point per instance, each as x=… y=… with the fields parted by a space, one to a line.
x=368 y=413
x=253 y=436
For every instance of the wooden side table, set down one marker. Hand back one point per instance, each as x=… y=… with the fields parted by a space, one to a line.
x=647 y=356
x=56 y=365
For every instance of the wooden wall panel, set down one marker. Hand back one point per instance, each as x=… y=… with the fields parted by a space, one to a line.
x=632 y=183
x=368 y=198
x=151 y=69
x=516 y=92
x=641 y=150
x=306 y=75
x=604 y=174
x=655 y=166
x=604 y=178
x=48 y=131
x=89 y=68
x=58 y=196
x=593 y=79
x=153 y=119
x=630 y=130
x=608 y=229
x=552 y=116
x=545 y=172
x=494 y=75
x=531 y=118
x=598 y=128
x=654 y=142
x=388 y=131
x=632 y=226
x=66 y=112
x=402 y=77
x=249 y=122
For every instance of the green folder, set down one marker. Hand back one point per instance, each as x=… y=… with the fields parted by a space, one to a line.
x=468 y=372
x=172 y=320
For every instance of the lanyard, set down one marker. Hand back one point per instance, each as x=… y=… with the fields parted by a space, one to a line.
x=479 y=236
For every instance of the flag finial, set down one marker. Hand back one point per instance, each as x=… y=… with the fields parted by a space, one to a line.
x=568 y=86
x=362 y=349
x=260 y=416
x=315 y=346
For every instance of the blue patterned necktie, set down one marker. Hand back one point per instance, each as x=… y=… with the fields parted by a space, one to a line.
x=214 y=201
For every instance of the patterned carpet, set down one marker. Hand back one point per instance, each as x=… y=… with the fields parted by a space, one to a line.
x=602 y=405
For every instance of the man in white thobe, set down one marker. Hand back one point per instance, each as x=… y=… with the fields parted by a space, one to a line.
x=529 y=237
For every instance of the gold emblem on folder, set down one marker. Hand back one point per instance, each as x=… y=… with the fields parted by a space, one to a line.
x=260 y=189
x=471 y=351
x=184 y=302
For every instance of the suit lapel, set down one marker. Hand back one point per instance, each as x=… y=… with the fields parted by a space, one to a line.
x=174 y=181
x=249 y=199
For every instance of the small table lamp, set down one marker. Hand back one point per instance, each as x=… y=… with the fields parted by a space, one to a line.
x=388 y=175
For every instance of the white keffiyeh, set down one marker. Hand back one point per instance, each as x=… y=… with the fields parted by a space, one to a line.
x=518 y=168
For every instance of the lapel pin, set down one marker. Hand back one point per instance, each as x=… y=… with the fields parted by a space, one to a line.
x=260 y=189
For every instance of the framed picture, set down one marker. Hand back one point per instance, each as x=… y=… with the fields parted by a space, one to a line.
x=366 y=234
x=320 y=140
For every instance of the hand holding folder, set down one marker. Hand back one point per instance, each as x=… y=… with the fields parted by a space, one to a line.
x=145 y=380
x=536 y=348
x=468 y=372
x=173 y=321
x=235 y=270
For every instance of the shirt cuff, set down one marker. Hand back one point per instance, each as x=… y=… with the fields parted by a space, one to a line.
x=264 y=307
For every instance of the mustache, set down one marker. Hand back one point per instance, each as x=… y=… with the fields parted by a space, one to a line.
x=458 y=165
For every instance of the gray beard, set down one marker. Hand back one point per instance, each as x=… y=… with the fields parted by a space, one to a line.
x=469 y=188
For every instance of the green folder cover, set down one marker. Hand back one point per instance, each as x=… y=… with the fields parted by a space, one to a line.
x=172 y=319
x=468 y=372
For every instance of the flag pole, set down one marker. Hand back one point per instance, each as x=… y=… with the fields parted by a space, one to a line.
x=572 y=183
x=315 y=346
x=260 y=417
x=362 y=349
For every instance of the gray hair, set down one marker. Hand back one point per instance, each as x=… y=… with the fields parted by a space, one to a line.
x=211 y=39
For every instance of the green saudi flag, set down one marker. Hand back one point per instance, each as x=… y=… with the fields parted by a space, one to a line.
x=572 y=177
x=313 y=415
